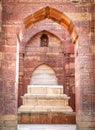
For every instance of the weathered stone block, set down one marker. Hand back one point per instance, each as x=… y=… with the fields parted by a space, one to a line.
x=46 y=118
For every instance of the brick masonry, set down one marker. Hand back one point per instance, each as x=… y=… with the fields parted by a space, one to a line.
x=83 y=17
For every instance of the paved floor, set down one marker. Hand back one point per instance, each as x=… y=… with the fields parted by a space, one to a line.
x=46 y=127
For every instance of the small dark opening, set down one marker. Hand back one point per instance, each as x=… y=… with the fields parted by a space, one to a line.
x=44 y=40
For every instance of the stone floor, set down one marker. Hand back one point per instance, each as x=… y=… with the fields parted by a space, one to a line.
x=46 y=127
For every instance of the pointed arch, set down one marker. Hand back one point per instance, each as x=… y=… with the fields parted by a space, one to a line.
x=54 y=15
x=46 y=32
x=43 y=75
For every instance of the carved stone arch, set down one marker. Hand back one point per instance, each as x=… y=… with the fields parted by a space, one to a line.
x=52 y=14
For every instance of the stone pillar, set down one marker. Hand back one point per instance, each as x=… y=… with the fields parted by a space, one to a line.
x=85 y=102
x=21 y=68
x=8 y=75
x=70 y=78
x=85 y=83
x=8 y=87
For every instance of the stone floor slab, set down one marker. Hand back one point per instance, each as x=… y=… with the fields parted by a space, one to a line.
x=46 y=127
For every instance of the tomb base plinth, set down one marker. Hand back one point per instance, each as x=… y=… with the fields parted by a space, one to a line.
x=50 y=103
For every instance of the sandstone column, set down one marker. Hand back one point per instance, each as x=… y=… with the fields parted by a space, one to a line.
x=9 y=72
x=85 y=79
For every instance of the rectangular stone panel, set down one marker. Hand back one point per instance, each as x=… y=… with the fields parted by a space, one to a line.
x=45 y=89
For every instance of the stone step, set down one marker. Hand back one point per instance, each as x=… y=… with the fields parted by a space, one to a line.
x=46 y=96
x=46 y=127
x=37 y=109
x=45 y=100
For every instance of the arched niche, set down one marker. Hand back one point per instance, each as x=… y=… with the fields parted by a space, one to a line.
x=47 y=13
x=43 y=75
